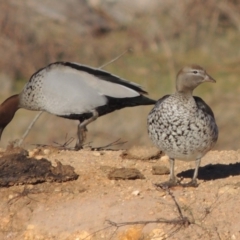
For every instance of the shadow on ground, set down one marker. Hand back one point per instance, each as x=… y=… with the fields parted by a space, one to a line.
x=213 y=172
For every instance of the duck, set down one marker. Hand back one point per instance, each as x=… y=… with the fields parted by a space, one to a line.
x=183 y=126
x=74 y=91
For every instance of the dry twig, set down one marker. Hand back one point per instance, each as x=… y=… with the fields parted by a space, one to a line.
x=180 y=221
x=112 y=144
x=25 y=192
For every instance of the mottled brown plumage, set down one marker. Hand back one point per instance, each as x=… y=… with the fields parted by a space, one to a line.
x=181 y=125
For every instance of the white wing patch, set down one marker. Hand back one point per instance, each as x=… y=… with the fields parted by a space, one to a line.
x=62 y=90
x=101 y=86
x=66 y=91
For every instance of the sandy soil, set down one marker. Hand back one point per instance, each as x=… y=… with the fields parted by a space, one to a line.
x=96 y=207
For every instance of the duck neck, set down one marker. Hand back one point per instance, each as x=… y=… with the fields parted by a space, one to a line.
x=185 y=94
x=7 y=111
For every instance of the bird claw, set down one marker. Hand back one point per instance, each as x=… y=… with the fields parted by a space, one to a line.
x=176 y=182
x=78 y=147
x=168 y=184
x=192 y=183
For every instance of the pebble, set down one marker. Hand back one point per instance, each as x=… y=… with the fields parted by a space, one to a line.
x=136 y=193
x=142 y=153
x=32 y=235
x=97 y=154
x=112 y=182
x=125 y=173
x=58 y=189
x=46 y=151
x=80 y=235
x=106 y=169
x=160 y=170
x=33 y=152
x=162 y=194
x=233 y=237
x=164 y=158
x=30 y=154
x=10 y=196
x=157 y=234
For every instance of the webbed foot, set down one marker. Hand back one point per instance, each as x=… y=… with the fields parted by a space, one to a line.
x=168 y=184
x=192 y=183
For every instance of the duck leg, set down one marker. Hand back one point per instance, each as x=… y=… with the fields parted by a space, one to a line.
x=82 y=130
x=173 y=181
x=82 y=135
x=193 y=182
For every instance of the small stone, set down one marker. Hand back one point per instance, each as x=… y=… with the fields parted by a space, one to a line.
x=106 y=169
x=125 y=173
x=162 y=194
x=233 y=237
x=160 y=170
x=30 y=186
x=31 y=154
x=57 y=189
x=157 y=234
x=136 y=193
x=80 y=235
x=142 y=153
x=46 y=151
x=112 y=182
x=164 y=158
x=10 y=196
x=34 y=152
x=97 y=154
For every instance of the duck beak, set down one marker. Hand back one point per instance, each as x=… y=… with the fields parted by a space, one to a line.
x=208 y=78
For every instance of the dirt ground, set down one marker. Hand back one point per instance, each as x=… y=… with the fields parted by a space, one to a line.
x=101 y=205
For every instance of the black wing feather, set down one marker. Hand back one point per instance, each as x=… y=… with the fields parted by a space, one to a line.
x=103 y=75
x=203 y=106
x=96 y=72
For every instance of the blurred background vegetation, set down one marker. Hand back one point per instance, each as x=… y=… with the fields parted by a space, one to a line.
x=163 y=36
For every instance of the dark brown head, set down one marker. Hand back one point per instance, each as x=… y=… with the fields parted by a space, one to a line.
x=189 y=77
x=7 y=111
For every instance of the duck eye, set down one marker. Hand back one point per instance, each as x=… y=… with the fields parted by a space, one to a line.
x=195 y=72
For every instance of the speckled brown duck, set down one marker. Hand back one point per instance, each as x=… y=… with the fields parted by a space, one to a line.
x=182 y=125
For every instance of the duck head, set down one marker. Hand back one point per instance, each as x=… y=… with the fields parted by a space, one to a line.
x=189 y=77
